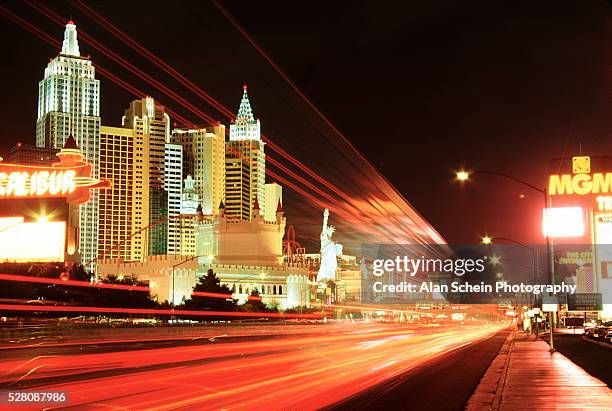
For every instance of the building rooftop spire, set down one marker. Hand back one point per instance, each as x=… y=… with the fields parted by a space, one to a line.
x=70 y=46
x=71 y=143
x=244 y=111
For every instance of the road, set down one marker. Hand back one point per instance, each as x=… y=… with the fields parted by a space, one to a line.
x=593 y=358
x=309 y=367
x=443 y=384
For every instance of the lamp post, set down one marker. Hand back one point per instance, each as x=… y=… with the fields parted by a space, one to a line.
x=118 y=244
x=464 y=175
x=489 y=240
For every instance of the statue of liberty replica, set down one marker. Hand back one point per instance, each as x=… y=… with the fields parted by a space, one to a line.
x=329 y=252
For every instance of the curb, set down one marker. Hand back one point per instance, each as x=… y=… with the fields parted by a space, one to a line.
x=600 y=343
x=487 y=395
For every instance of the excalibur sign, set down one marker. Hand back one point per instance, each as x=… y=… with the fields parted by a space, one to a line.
x=70 y=178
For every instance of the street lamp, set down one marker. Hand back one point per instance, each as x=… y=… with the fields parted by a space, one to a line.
x=463 y=176
x=487 y=240
x=118 y=244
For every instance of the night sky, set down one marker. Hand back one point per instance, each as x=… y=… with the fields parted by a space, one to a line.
x=420 y=88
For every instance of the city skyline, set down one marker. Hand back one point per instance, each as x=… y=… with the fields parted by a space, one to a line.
x=306 y=205
x=464 y=151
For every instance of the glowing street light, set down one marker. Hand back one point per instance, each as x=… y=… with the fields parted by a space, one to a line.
x=462 y=175
x=495 y=260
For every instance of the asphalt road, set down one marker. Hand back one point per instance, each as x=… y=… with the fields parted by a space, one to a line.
x=593 y=358
x=443 y=384
x=306 y=368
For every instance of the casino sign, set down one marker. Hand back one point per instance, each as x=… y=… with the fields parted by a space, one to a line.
x=580 y=195
x=70 y=178
x=39 y=207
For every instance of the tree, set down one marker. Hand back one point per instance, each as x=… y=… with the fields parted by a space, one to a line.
x=210 y=283
x=105 y=297
x=254 y=304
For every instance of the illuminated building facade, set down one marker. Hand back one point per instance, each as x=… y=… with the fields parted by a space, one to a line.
x=39 y=207
x=151 y=127
x=190 y=203
x=190 y=198
x=69 y=104
x=204 y=159
x=580 y=222
x=248 y=254
x=173 y=181
x=245 y=144
x=32 y=155
x=167 y=284
x=118 y=164
x=274 y=197
x=237 y=187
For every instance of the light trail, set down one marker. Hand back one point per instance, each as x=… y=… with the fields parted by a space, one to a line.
x=74 y=283
x=354 y=213
x=348 y=210
x=305 y=371
x=115 y=31
x=400 y=202
x=326 y=308
x=153 y=311
x=139 y=93
x=349 y=213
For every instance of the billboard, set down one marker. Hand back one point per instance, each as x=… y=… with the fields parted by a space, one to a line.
x=40 y=241
x=584 y=302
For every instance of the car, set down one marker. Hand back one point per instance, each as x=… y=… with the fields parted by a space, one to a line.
x=608 y=337
x=589 y=328
x=602 y=330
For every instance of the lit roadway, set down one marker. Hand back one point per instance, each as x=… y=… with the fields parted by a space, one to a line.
x=342 y=366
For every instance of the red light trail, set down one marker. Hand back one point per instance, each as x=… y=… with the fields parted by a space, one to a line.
x=153 y=311
x=357 y=213
x=58 y=281
x=114 y=30
x=305 y=367
x=346 y=209
x=44 y=36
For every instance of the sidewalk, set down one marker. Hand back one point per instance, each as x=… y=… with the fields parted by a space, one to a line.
x=526 y=376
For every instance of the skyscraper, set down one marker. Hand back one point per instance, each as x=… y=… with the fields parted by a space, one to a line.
x=173 y=181
x=69 y=104
x=245 y=144
x=190 y=201
x=117 y=208
x=151 y=127
x=237 y=187
x=204 y=159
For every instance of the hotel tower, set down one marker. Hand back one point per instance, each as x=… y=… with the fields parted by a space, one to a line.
x=69 y=104
x=245 y=164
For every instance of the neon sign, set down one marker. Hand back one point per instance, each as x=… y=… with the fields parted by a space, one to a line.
x=604 y=203
x=580 y=184
x=37 y=183
x=70 y=178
